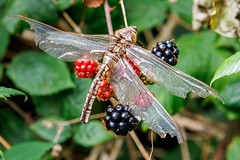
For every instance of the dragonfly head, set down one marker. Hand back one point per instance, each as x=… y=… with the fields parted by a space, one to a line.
x=129 y=34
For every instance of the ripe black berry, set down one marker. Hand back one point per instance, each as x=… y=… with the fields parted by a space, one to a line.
x=119 y=107
x=154 y=49
x=161 y=46
x=168 y=41
x=107 y=118
x=110 y=110
x=169 y=45
x=111 y=125
x=171 y=61
x=125 y=115
x=123 y=126
x=120 y=121
x=158 y=53
x=175 y=51
x=115 y=116
x=164 y=58
x=167 y=51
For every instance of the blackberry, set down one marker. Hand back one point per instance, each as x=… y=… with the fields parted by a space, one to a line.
x=167 y=51
x=119 y=120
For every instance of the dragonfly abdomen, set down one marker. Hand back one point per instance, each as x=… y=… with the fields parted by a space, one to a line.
x=109 y=60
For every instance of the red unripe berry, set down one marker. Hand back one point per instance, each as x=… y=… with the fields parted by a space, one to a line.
x=101 y=96
x=103 y=84
x=96 y=70
x=77 y=68
x=90 y=68
x=77 y=63
x=107 y=94
x=87 y=63
x=137 y=71
x=83 y=68
x=94 y=63
x=82 y=74
x=81 y=63
x=110 y=88
x=89 y=74
x=100 y=91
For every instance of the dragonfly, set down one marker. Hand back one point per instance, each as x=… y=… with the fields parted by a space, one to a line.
x=128 y=88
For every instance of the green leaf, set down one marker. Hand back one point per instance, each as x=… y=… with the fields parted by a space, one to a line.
x=91 y=134
x=49 y=105
x=13 y=128
x=31 y=8
x=140 y=16
x=63 y=4
x=183 y=8
x=4 y=40
x=198 y=55
x=233 y=149
x=28 y=150
x=230 y=66
x=8 y=92
x=74 y=100
x=39 y=74
x=47 y=128
x=231 y=95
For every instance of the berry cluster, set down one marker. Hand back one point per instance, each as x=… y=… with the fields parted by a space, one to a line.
x=119 y=120
x=144 y=79
x=85 y=69
x=105 y=91
x=167 y=51
x=135 y=68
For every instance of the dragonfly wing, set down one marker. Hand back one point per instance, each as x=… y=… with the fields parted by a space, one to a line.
x=175 y=81
x=68 y=46
x=130 y=90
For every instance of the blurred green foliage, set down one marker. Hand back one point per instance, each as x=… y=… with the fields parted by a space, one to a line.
x=55 y=94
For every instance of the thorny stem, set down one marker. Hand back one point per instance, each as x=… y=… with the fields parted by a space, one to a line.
x=124 y=13
x=108 y=17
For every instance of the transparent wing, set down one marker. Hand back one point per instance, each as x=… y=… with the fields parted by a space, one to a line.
x=69 y=46
x=175 y=81
x=130 y=90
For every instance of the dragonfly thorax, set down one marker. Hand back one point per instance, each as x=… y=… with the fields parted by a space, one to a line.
x=129 y=34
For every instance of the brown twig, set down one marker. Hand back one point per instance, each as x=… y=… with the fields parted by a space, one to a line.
x=17 y=109
x=152 y=145
x=69 y=20
x=139 y=145
x=108 y=17
x=166 y=30
x=60 y=129
x=116 y=148
x=5 y=143
x=134 y=153
x=124 y=13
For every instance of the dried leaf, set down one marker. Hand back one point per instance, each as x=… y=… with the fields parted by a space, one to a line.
x=222 y=16
x=93 y=3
